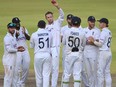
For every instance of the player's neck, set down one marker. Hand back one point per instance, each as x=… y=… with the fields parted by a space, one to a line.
x=50 y=22
x=90 y=28
x=69 y=26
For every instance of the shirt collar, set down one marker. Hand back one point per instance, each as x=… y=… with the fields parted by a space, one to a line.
x=40 y=29
x=106 y=28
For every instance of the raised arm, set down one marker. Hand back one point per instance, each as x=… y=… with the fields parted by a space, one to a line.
x=61 y=13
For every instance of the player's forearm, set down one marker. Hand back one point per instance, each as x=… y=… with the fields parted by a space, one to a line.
x=27 y=36
x=61 y=13
x=11 y=50
x=99 y=44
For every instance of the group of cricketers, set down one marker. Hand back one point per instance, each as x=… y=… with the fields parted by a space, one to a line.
x=86 y=53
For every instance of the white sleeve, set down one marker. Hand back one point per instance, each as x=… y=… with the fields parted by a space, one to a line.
x=62 y=31
x=54 y=51
x=8 y=46
x=102 y=37
x=54 y=39
x=83 y=42
x=99 y=44
x=64 y=39
x=61 y=16
x=32 y=44
x=97 y=35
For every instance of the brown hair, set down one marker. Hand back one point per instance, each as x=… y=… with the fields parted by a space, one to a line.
x=49 y=12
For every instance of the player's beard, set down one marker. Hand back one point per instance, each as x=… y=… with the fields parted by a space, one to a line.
x=91 y=26
x=70 y=24
x=12 y=32
x=51 y=21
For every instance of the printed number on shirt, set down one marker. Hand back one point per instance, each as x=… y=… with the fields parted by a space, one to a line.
x=43 y=42
x=73 y=42
x=109 y=42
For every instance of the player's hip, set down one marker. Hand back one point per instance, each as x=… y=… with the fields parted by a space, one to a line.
x=42 y=55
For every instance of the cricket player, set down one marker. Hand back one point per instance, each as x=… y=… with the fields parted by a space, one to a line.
x=42 y=41
x=23 y=58
x=105 y=55
x=63 y=30
x=74 y=40
x=10 y=55
x=91 y=52
x=56 y=26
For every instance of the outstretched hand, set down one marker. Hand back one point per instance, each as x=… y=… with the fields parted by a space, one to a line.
x=55 y=3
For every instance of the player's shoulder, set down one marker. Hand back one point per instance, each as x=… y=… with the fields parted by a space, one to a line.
x=7 y=37
x=96 y=29
x=85 y=29
x=106 y=31
x=66 y=26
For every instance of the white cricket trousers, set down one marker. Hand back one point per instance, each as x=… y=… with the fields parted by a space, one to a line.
x=90 y=65
x=42 y=67
x=55 y=67
x=9 y=75
x=103 y=72
x=73 y=65
x=22 y=68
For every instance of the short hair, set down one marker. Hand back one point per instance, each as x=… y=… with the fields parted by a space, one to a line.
x=49 y=12
x=41 y=24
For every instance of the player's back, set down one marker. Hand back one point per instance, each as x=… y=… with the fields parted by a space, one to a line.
x=42 y=41
x=74 y=38
x=105 y=38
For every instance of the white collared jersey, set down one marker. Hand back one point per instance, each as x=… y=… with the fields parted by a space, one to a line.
x=21 y=39
x=63 y=29
x=74 y=37
x=56 y=25
x=105 y=39
x=95 y=33
x=10 y=49
x=42 y=41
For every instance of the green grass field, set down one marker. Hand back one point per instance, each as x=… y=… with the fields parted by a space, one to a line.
x=31 y=11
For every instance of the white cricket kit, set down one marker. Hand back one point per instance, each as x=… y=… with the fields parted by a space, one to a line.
x=9 y=59
x=56 y=26
x=23 y=60
x=90 y=56
x=42 y=41
x=63 y=30
x=73 y=37
x=105 y=59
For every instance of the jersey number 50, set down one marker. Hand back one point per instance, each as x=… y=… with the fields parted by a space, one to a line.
x=73 y=42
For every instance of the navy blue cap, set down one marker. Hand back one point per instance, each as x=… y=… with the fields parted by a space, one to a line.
x=16 y=20
x=69 y=16
x=103 y=20
x=91 y=18
x=11 y=25
x=76 y=20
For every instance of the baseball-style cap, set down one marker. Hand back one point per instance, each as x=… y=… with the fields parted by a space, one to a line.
x=16 y=20
x=69 y=16
x=76 y=20
x=103 y=20
x=91 y=18
x=11 y=25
